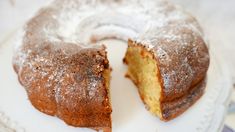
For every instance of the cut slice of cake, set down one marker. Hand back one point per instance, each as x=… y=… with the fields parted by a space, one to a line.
x=151 y=77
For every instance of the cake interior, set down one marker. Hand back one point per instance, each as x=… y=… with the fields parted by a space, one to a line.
x=143 y=71
x=107 y=76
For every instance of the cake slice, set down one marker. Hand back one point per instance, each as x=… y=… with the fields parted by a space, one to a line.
x=160 y=85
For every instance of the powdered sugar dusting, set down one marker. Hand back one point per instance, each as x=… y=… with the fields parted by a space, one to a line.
x=66 y=28
x=136 y=19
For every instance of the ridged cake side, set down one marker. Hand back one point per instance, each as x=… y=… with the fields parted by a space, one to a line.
x=144 y=71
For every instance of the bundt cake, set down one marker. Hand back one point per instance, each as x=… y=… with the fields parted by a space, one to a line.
x=67 y=74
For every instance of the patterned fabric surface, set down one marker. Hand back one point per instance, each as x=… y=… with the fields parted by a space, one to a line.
x=7 y=125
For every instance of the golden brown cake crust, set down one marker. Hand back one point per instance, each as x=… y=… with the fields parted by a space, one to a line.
x=64 y=79
x=75 y=93
x=182 y=66
x=176 y=107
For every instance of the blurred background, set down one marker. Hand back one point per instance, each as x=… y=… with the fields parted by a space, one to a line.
x=217 y=18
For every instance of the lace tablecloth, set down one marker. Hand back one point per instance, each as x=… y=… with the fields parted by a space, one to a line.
x=7 y=125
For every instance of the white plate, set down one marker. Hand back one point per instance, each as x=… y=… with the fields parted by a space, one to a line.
x=129 y=113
